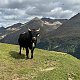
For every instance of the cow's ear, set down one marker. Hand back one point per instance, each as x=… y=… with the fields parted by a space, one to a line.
x=29 y=29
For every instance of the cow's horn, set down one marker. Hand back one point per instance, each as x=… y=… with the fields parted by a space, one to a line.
x=29 y=29
x=38 y=29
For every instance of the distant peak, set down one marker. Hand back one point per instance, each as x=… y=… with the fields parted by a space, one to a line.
x=36 y=18
x=77 y=16
x=2 y=27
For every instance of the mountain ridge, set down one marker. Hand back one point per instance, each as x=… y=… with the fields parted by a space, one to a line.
x=35 y=23
x=71 y=27
x=55 y=35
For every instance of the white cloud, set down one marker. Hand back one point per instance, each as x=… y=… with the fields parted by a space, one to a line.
x=60 y=13
x=23 y=10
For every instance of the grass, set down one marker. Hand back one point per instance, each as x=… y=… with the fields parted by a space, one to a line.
x=46 y=65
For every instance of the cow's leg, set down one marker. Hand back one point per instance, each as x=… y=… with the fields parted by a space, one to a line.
x=27 y=53
x=20 y=50
x=32 y=53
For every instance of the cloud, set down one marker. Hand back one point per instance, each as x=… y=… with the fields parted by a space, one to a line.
x=60 y=13
x=24 y=10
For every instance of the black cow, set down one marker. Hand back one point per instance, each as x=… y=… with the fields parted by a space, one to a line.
x=28 y=41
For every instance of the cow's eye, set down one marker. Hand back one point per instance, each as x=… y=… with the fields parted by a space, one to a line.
x=38 y=34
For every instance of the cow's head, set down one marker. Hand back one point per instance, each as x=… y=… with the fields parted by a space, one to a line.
x=34 y=33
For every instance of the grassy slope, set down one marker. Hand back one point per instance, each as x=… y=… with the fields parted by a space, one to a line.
x=45 y=65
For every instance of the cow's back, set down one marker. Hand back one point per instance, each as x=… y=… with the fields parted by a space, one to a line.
x=23 y=40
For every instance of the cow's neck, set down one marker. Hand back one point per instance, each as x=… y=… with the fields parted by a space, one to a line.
x=30 y=37
x=33 y=45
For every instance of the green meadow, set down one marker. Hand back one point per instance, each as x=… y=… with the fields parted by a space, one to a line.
x=46 y=65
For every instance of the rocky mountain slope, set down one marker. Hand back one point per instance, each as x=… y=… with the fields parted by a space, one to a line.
x=65 y=38
x=45 y=26
x=11 y=29
x=69 y=28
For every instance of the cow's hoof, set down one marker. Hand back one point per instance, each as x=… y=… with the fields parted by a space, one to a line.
x=31 y=57
x=27 y=58
x=19 y=53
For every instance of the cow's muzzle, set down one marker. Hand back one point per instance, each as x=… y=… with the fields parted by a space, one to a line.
x=33 y=38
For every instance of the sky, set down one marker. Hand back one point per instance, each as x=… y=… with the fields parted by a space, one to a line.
x=14 y=11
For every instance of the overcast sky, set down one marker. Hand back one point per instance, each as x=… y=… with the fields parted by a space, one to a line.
x=13 y=11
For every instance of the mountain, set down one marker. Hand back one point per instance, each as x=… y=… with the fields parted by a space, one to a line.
x=53 y=20
x=14 y=27
x=46 y=65
x=2 y=29
x=58 y=35
x=65 y=38
x=11 y=29
x=45 y=26
x=69 y=28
